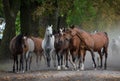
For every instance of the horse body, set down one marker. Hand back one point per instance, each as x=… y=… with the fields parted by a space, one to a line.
x=62 y=49
x=98 y=38
x=115 y=46
x=75 y=49
x=48 y=44
x=28 y=50
x=91 y=42
x=16 y=48
x=38 y=47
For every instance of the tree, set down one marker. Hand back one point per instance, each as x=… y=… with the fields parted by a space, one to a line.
x=81 y=12
x=1 y=9
x=10 y=8
x=28 y=24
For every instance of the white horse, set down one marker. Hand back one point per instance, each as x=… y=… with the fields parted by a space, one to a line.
x=115 y=46
x=48 y=45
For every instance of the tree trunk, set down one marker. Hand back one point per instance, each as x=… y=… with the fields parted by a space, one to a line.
x=10 y=11
x=25 y=20
x=28 y=25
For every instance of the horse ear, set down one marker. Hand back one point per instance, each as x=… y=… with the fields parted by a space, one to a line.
x=51 y=25
x=72 y=26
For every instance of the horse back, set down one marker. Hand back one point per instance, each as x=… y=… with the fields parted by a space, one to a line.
x=14 y=47
x=38 y=43
x=30 y=44
x=100 y=40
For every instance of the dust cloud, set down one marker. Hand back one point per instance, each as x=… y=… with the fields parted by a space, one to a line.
x=113 y=62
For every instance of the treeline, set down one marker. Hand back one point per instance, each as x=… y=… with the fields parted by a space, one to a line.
x=32 y=16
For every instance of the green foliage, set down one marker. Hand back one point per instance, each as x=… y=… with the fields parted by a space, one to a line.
x=1 y=9
x=83 y=11
x=17 y=24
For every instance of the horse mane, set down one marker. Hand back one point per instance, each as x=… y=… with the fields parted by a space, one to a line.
x=18 y=42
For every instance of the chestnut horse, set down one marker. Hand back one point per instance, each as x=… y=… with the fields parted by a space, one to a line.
x=92 y=42
x=38 y=48
x=74 y=48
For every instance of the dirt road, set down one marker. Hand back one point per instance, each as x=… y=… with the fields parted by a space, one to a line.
x=89 y=75
x=42 y=73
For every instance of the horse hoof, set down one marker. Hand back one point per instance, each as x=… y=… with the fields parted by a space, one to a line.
x=59 y=68
x=66 y=68
x=23 y=71
x=63 y=66
x=95 y=69
x=82 y=69
x=17 y=72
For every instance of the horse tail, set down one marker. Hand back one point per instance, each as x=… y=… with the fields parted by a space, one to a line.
x=106 y=45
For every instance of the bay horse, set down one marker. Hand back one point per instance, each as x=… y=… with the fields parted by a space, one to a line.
x=16 y=48
x=67 y=48
x=61 y=45
x=92 y=42
x=48 y=45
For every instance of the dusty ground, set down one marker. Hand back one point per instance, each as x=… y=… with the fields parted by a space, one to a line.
x=89 y=75
x=42 y=73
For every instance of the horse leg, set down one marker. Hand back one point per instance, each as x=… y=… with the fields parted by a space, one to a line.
x=30 y=61
x=93 y=58
x=27 y=56
x=67 y=59
x=100 y=54
x=73 y=60
x=58 y=57
x=83 y=53
x=14 y=63
x=37 y=56
x=70 y=57
x=106 y=55
x=62 y=63
x=17 y=62
x=54 y=58
x=44 y=56
x=20 y=63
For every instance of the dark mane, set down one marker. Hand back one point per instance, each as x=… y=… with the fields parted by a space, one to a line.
x=18 y=42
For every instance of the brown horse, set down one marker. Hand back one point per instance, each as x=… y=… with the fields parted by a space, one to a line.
x=65 y=46
x=74 y=47
x=38 y=48
x=62 y=49
x=16 y=48
x=92 y=42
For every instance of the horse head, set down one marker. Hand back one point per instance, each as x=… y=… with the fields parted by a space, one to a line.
x=25 y=44
x=49 y=31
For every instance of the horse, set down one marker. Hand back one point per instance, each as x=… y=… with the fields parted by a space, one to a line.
x=92 y=42
x=28 y=50
x=38 y=48
x=74 y=48
x=48 y=44
x=61 y=45
x=16 y=48
x=115 y=46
